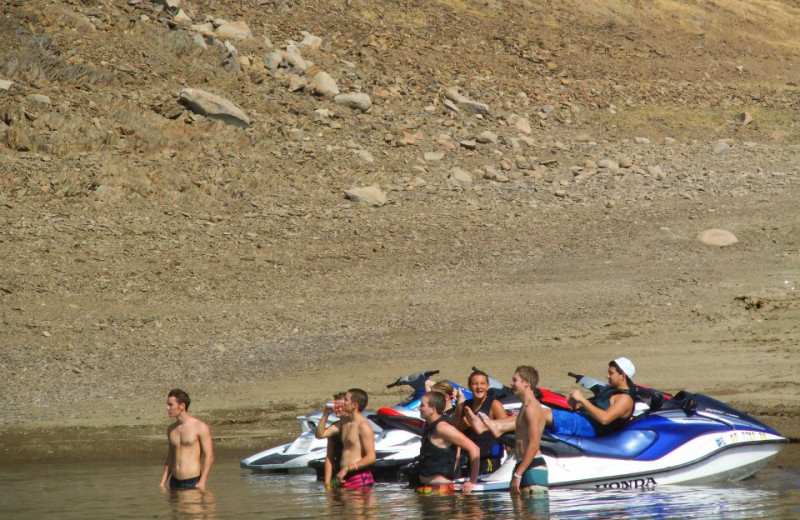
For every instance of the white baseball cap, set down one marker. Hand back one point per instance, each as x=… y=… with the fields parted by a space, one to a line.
x=626 y=366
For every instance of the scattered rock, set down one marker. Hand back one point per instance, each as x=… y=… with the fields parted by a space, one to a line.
x=460 y=177
x=238 y=30
x=368 y=195
x=487 y=137
x=18 y=140
x=309 y=41
x=625 y=163
x=5 y=84
x=324 y=85
x=721 y=147
x=523 y=126
x=656 y=171
x=433 y=156
x=169 y=4
x=364 y=155
x=611 y=164
x=294 y=58
x=463 y=102
x=717 y=237
x=641 y=140
x=40 y=98
x=745 y=118
x=181 y=17
x=213 y=106
x=357 y=100
x=297 y=83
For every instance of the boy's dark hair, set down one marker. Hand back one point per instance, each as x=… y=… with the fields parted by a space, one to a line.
x=436 y=400
x=180 y=396
x=359 y=397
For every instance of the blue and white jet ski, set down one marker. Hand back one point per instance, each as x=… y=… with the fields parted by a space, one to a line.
x=688 y=438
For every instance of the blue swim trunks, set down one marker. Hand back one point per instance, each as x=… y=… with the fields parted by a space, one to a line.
x=535 y=475
x=571 y=423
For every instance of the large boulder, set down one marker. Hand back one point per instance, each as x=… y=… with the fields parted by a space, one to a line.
x=368 y=195
x=234 y=30
x=463 y=102
x=324 y=85
x=717 y=237
x=213 y=106
x=357 y=100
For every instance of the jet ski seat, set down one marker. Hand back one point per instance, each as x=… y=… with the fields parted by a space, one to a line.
x=626 y=444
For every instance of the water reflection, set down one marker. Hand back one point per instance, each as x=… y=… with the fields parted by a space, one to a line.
x=358 y=504
x=192 y=504
x=81 y=492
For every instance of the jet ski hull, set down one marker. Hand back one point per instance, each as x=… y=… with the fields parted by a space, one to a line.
x=734 y=456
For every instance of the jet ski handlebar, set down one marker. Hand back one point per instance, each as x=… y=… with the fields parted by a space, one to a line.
x=413 y=378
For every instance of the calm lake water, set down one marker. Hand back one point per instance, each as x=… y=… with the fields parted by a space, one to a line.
x=130 y=490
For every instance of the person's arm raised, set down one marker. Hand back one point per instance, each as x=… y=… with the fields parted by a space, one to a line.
x=323 y=431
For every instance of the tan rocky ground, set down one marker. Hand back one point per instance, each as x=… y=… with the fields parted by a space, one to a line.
x=145 y=246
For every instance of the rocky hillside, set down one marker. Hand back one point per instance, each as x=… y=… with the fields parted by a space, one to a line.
x=206 y=190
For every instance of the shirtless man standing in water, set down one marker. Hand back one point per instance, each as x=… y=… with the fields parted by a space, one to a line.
x=530 y=472
x=358 y=440
x=189 y=444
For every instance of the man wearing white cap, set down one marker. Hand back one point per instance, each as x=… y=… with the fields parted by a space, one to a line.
x=607 y=411
x=604 y=413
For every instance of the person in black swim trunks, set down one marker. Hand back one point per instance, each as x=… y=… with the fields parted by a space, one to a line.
x=190 y=454
x=482 y=402
x=437 y=457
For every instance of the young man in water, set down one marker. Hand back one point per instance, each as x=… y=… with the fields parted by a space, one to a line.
x=190 y=454
x=358 y=441
x=437 y=453
x=530 y=472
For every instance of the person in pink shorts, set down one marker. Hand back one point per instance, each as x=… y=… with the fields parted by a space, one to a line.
x=358 y=441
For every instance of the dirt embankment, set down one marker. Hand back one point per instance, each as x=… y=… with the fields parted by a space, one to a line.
x=542 y=170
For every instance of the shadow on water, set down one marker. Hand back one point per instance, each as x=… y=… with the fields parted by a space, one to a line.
x=130 y=490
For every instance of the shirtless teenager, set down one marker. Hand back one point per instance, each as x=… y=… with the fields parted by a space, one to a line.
x=190 y=454
x=530 y=472
x=358 y=440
